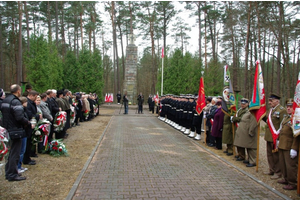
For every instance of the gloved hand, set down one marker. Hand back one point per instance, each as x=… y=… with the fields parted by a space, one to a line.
x=231 y=119
x=204 y=115
x=293 y=153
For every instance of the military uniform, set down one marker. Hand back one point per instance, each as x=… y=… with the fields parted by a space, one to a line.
x=277 y=115
x=227 y=135
x=288 y=143
x=246 y=136
x=237 y=119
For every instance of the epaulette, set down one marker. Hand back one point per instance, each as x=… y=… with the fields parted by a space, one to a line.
x=281 y=108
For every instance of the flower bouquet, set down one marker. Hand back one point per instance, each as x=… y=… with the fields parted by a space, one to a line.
x=41 y=130
x=3 y=142
x=72 y=115
x=96 y=109
x=86 y=114
x=60 y=121
x=57 y=148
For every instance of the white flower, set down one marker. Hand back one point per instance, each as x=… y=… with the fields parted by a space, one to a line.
x=38 y=132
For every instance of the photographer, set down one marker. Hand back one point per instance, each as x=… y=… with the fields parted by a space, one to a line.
x=140 y=103
x=125 y=101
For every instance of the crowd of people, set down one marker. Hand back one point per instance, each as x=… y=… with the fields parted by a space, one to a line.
x=239 y=131
x=25 y=111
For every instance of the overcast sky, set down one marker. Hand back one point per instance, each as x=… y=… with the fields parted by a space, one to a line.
x=193 y=42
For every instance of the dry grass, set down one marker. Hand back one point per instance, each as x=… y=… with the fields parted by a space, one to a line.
x=53 y=177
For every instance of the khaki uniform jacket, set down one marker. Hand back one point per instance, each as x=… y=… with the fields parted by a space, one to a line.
x=287 y=141
x=277 y=116
x=227 y=136
x=246 y=133
x=61 y=104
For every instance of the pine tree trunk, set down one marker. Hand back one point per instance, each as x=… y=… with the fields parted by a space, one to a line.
x=246 y=85
x=19 y=60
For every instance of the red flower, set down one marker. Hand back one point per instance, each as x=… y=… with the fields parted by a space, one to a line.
x=54 y=148
x=60 y=150
x=56 y=143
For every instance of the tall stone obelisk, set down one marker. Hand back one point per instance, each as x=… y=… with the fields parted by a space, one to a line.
x=130 y=80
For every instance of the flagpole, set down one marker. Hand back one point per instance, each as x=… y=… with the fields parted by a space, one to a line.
x=257 y=148
x=162 y=78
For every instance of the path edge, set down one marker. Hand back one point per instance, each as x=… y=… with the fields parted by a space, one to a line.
x=87 y=163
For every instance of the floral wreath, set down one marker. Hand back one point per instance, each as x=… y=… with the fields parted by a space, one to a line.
x=96 y=109
x=60 y=121
x=72 y=115
x=86 y=114
x=41 y=130
x=57 y=148
x=3 y=143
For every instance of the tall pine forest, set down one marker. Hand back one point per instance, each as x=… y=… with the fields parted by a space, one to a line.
x=81 y=45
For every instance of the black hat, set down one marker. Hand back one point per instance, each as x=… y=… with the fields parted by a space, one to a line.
x=274 y=96
x=28 y=86
x=289 y=102
x=244 y=101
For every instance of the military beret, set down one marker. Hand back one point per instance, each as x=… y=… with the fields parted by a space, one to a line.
x=289 y=102
x=244 y=101
x=274 y=96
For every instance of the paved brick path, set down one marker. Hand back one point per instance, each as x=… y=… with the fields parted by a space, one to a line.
x=141 y=157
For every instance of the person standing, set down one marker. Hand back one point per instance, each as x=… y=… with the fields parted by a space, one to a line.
x=32 y=114
x=217 y=127
x=288 y=151
x=119 y=97
x=246 y=135
x=274 y=118
x=140 y=103
x=209 y=121
x=2 y=96
x=236 y=120
x=13 y=117
x=149 y=102
x=125 y=101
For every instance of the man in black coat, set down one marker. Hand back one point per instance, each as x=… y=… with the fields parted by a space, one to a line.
x=13 y=117
x=31 y=112
x=54 y=108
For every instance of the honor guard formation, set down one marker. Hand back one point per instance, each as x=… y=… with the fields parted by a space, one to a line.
x=282 y=151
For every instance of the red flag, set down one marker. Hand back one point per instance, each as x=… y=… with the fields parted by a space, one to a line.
x=257 y=104
x=162 y=53
x=201 y=97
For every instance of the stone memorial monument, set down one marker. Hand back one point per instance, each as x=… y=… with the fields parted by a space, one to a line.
x=130 y=82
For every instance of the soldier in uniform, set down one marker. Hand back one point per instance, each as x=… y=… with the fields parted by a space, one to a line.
x=288 y=151
x=246 y=134
x=209 y=121
x=236 y=120
x=273 y=119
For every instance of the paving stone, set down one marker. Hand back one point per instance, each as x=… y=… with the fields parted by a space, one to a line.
x=141 y=157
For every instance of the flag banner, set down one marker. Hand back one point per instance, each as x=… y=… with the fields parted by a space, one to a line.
x=257 y=104
x=228 y=101
x=296 y=108
x=106 y=98
x=201 y=97
x=162 y=53
x=156 y=99
x=111 y=97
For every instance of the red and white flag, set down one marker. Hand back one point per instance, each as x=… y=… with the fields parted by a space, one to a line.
x=296 y=108
x=257 y=104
